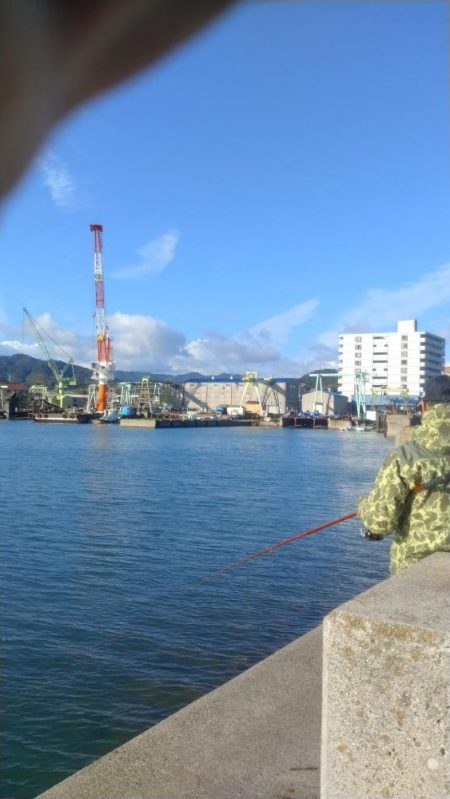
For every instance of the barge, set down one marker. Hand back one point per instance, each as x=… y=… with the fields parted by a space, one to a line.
x=61 y=418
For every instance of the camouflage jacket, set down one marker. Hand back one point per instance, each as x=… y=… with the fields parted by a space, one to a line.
x=419 y=520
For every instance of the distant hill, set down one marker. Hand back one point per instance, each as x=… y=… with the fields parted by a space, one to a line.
x=135 y=377
x=25 y=369
x=308 y=383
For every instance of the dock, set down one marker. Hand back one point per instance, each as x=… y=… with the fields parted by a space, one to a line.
x=166 y=423
x=310 y=422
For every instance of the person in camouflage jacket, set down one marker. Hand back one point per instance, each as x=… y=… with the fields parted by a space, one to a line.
x=400 y=501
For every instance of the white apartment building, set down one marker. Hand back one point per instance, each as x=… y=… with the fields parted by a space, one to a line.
x=390 y=363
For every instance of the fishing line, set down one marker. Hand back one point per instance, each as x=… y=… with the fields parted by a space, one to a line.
x=278 y=544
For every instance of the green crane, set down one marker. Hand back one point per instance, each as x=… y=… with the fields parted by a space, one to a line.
x=361 y=378
x=65 y=376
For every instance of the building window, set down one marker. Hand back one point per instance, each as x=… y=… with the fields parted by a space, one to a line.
x=358 y=338
x=404 y=338
x=357 y=363
x=358 y=347
x=404 y=363
x=404 y=345
x=404 y=370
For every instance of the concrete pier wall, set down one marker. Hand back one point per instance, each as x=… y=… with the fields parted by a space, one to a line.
x=386 y=689
x=256 y=736
x=338 y=424
x=398 y=428
x=385 y=713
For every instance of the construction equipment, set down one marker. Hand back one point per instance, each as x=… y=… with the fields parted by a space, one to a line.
x=318 y=388
x=267 y=396
x=150 y=397
x=103 y=367
x=391 y=391
x=271 y=397
x=359 y=390
x=64 y=375
x=361 y=378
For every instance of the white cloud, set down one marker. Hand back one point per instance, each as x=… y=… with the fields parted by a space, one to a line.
x=59 y=181
x=215 y=353
x=380 y=309
x=144 y=343
x=53 y=333
x=147 y=344
x=255 y=349
x=322 y=356
x=61 y=343
x=14 y=347
x=277 y=329
x=153 y=257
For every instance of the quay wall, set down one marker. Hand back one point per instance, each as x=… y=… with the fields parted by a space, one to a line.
x=256 y=736
x=386 y=689
x=327 y=402
x=378 y=727
x=167 y=423
x=398 y=428
x=338 y=424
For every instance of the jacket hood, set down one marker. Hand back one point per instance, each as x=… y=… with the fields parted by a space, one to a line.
x=434 y=432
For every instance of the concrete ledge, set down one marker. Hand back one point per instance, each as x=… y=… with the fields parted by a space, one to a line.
x=338 y=424
x=138 y=422
x=398 y=428
x=257 y=736
x=386 y=691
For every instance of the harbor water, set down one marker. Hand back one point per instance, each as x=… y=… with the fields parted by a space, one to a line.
x=108 y=626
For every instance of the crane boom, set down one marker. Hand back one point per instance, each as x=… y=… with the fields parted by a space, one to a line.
x=62 y=381
x=103 y=368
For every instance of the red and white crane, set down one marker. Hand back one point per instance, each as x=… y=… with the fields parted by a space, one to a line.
x=103 y=368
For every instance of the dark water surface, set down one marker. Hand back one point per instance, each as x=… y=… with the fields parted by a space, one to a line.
x=107 y=533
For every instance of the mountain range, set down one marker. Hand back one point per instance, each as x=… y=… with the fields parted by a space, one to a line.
x=21 y=368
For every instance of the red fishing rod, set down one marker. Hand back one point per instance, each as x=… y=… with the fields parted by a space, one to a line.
x=278 y=544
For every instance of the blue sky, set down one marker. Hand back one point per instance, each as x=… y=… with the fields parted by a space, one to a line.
x=280 y=178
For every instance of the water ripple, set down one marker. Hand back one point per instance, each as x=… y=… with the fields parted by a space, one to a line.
x=107 y=536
